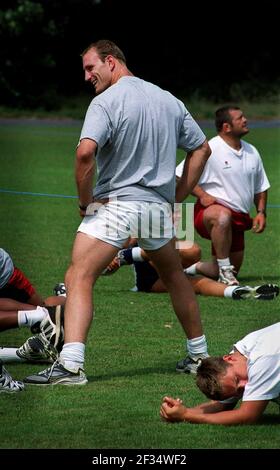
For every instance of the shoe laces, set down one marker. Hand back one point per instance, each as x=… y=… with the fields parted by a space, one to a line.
x=56 y=363
x=7 y=381
x=230 y=268
x=228 y=271
x=49 y=370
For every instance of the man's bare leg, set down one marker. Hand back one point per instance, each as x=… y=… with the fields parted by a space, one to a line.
x=169 y=267
x=90 y=256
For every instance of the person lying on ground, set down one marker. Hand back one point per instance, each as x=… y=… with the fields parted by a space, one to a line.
x=250 y=373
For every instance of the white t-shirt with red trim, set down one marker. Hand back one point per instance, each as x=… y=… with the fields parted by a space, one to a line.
x=232 y=176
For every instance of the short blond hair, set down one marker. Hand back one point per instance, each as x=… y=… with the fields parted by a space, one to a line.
x=209 y=374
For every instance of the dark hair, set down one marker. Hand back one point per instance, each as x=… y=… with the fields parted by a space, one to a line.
x=222 y=115
x=209 y=375
x=105 y=47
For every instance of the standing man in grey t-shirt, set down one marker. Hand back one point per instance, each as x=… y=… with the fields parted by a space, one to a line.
x=131 y=132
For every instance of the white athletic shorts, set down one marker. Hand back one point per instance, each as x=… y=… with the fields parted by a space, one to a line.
x=114 y=222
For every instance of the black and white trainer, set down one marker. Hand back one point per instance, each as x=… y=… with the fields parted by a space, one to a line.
x=37 y=349
x=227 y=276
x=57 y=374
x=60 y=289
x=190 y=364
x=52 y=326
x=7 y=383
x=263 y=292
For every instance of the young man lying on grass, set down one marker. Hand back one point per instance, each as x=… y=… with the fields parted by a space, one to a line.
x=251 y=372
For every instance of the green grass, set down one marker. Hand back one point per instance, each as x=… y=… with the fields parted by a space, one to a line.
x=260 y=109
x=135 y=339
x=75 y=107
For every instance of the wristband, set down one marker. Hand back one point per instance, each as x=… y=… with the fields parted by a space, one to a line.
x=261 y=211
x=82 y=208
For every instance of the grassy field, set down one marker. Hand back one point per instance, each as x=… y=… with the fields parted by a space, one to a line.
x=135 y=340
x=75 y=107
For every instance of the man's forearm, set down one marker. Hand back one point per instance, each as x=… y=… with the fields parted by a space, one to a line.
x=260 y=200
x=248 y=413
x=193 y=168
x=84 y=171
x=84 y=180
x=211 y=407
x=198 y=191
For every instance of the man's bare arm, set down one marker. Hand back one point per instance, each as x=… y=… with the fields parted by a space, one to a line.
x=84 y=170
x=193 y=168
x=212 y=412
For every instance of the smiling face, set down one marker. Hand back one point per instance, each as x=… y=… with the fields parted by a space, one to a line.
x=97 y=72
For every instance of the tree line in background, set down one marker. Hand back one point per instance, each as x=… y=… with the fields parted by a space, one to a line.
x=224 y=55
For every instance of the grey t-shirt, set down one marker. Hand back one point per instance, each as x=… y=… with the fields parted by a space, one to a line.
x=138 y=127
x=6 y=267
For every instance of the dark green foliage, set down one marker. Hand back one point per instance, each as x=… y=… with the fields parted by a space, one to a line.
x=209 y=54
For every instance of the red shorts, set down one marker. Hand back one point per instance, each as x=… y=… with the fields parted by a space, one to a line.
x=240 y=223
x=18 y=287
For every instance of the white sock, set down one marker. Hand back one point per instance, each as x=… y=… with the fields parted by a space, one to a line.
x=136 y=254
x=10 y=355
x=229 y=291
x=191 y=270
x=73 y=356
x=29 y=317
x=197 y=346
x=223 y=262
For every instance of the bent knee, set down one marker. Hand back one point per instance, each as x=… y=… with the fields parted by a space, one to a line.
x=196 y=252
x=190 y=255
x=217 y=215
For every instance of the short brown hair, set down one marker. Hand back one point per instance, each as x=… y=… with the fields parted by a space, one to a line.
x=209 y=375
x=222 y=115
x=105 y=47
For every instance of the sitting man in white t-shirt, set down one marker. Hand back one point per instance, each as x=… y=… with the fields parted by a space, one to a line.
x=232 y=181
x=250 y=372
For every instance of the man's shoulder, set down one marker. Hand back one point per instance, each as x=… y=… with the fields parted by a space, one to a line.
x=249 y=147
x=124 y=88
x=215 y=142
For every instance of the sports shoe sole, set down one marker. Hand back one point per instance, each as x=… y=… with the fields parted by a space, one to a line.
x=63 y=381
x=57 y=325
x=4 y=390
x=263 y=292
x=57 y=336
x=267 y=292
x=36 y=361
x=42 y=348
